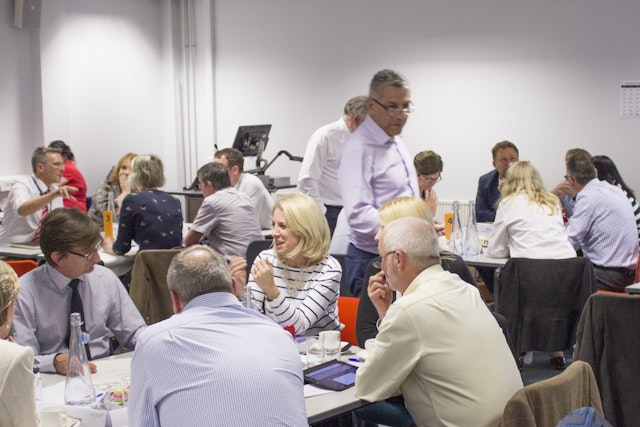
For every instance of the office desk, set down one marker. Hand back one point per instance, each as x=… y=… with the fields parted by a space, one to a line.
x=21 y=253
x=484 y=261
x=112 y=369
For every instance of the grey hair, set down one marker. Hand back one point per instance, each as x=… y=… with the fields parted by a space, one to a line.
x=415 y=237
x=581 y=168
x=196 y=271
x=386 y=78
x=147 y=172
x=357 y=107
x=40 y=155
x=215 y=173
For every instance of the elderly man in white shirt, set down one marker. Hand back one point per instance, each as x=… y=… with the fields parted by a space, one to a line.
x=438 y=345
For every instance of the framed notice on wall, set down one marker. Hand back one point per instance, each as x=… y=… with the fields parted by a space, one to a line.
x=630 y=100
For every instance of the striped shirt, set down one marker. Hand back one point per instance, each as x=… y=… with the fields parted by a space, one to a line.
x=314 y=307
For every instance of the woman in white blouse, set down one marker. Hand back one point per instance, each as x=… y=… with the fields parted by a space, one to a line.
x=528 y=221
x=529 y=224
x=296 y=282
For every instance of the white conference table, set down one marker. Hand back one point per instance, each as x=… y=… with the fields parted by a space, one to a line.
x=112 y=369
x=483 y=260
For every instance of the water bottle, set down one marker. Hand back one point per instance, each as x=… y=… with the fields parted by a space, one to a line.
x=471 y=239
x=108 y=216
x=37 y=383
x=78 y=389
x=456 y=237
x=247 y=299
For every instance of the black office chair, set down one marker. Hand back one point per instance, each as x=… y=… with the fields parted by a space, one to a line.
x=254 y=249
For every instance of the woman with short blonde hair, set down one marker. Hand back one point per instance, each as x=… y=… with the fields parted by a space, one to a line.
x=296 y=282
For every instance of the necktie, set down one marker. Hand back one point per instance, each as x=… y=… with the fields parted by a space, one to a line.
x=45 y=211
x=76 y=307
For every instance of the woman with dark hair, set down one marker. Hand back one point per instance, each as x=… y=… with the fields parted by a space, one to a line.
x=606 y=170
x=72 y=176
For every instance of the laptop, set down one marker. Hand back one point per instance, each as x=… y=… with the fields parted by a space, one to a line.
x=633 y=289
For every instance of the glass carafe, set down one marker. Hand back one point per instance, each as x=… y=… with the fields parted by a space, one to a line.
x=472 y=245
x=78 y=388
x=456 y=237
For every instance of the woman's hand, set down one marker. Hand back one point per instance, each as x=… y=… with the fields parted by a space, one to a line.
x=431 y=197
x=107 y=245
x=262 y=272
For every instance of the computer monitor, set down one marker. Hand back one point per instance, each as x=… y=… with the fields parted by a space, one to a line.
x=252 y=140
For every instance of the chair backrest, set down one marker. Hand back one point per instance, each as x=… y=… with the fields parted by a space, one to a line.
x=148 y=289
x=542 y=300
x=608 y=339
x=254 y=249
x=548 y=401
x=22 y=266
x=348 y=312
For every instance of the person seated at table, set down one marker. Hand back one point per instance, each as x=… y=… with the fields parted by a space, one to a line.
x=367 y=318
x=117 y=181
x=529 y=221
x=227 y=220
x=429 y=168
x=607 y=171
x=150 y=217
x=17 y=405
x=563 y=190
x=72 y=176
x=438 y=345
x=71 y=281
x=214 y=362
x=247 y=183
x=32 y=197
x=297 y=282
x=393 y=411
x=529 y=224
x=602 y=225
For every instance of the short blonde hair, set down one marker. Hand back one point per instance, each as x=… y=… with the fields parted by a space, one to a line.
x=147 y=171
x=405 y=206
x=305 y=219
x=9 y=287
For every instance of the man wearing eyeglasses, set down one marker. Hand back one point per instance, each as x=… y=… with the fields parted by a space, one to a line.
x=31 y=198
x=70 y=241
x=375 y=167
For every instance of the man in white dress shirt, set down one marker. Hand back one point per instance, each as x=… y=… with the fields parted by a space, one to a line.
x=439 y=346
x=247 y=183
x=34 y=196
x=318 y=176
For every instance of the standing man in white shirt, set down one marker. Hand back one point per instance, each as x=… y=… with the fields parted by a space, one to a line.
x=247 y=183
x=31 y=198
x=319 y=171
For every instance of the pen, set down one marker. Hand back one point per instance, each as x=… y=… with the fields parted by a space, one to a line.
x=353 y=359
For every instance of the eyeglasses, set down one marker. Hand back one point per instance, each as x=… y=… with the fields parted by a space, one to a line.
x=429 y=179
x=90 y=254
x=378 y=264
x=395 y=111
x=55 y=164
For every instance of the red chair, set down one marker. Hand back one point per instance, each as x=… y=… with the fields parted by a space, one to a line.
x=348 y=312
x=22 y=266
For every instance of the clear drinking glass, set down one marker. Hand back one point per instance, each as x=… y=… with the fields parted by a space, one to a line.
x=315 y=351
x=331 y=343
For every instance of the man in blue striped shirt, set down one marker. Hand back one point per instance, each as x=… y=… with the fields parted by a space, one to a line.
x=214 y=362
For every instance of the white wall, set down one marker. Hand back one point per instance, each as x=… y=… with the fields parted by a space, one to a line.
x=544 y=75
x=104 y=76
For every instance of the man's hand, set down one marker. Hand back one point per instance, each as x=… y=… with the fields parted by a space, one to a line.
x=61 y=363
x=561 y=189
x=238 y=269
x=380 y=294
x=66 y=190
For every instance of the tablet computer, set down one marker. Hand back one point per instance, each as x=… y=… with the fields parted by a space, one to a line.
x=331 y=375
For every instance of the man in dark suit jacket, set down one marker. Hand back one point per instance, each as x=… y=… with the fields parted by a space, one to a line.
x=504 y=153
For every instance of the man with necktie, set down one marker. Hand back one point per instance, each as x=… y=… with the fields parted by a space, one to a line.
x=70 y=242
x=32 y=197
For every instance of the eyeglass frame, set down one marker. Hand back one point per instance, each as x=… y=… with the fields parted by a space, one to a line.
x=395 y=111
x=58 y=165
x=88 y=255
x=378 y=264
x=434 y=180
